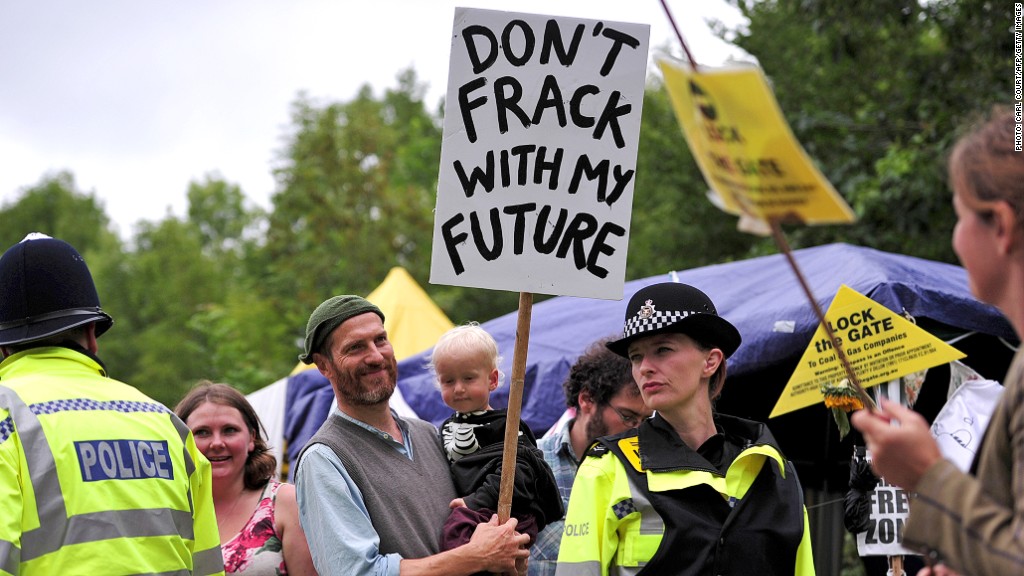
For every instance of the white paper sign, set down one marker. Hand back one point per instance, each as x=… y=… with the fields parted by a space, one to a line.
x=890 y=506
x=538 y=161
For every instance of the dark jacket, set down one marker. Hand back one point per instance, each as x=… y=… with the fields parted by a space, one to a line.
x=756 y=532
x=477 y=476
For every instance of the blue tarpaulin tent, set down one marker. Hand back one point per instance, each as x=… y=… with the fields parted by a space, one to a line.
x=763 y=298
x=760 y=296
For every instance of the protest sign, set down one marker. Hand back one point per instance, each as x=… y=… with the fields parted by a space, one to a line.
x=745 y=149
x=960 y=425
x=890 y=506
x=880 y=344
x=538 y=160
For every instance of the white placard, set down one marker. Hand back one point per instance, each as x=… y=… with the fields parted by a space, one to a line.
x=890 y=506
x=538 y=161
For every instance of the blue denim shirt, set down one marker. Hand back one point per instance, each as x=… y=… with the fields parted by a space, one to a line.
x=560 y=457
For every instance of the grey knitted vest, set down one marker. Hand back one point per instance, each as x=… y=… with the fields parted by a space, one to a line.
x=407 y=499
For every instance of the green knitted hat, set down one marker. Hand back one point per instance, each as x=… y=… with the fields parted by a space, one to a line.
x=329 y=316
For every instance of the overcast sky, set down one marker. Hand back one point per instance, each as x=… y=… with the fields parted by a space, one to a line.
x=137 y=98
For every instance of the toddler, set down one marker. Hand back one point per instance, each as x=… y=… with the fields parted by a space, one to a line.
x=465 y=361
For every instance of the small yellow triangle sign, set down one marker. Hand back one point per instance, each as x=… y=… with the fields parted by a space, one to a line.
x=880 y=345
x=631 y=448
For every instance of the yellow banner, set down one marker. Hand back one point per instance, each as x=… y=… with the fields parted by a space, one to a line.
x=746 y=151
x=880 y=345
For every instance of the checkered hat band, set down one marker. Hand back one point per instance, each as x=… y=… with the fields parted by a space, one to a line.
x=660 y=319
x=80 y=404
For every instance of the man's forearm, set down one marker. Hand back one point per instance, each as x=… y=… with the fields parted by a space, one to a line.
x=459 y=561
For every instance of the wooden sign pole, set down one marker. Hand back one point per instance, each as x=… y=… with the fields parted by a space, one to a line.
x=515 y=403
x=780 y=241
x=896 y=563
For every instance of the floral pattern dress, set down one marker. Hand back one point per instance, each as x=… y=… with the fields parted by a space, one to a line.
x=256 y=549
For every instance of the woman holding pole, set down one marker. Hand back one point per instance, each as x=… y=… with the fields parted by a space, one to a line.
x=973 y=521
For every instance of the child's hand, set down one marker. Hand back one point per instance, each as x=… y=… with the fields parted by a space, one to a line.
x=457 y=503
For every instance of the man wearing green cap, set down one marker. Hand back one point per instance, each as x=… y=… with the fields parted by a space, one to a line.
x=374 y=488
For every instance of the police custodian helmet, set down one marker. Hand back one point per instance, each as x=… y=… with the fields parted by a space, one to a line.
x=45 y=289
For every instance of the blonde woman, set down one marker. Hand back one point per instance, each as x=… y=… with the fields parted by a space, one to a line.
x=690 y=491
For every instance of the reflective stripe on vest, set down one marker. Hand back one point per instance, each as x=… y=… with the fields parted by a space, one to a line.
x=651 y=524
x=11 y=556
x=55 y=528
x=209 y=561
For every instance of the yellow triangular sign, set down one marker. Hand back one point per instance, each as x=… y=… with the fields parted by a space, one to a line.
x=880 y=345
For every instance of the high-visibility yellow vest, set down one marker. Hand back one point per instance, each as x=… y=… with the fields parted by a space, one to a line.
x=96 y=477
x=616 y=521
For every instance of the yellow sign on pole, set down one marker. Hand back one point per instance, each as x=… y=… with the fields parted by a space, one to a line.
x=880 y=344
x=745 y=149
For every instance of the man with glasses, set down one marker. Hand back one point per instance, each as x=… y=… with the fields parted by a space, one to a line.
x=601 y=390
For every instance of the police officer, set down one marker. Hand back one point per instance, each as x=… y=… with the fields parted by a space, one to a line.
x=95 y=477
x=690 y=491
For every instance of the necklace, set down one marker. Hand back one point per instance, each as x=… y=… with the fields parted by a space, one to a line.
x=221 y=519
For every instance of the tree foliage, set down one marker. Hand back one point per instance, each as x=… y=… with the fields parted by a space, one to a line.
x=219 y=212
x=354 y=199
x=56 y=207
x=171 y=280
x=876 y=91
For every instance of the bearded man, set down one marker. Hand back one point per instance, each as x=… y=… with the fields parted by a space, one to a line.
x=601 y=391
x=374 y=488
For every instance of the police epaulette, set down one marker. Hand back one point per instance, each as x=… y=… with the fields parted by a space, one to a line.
x=597 y=450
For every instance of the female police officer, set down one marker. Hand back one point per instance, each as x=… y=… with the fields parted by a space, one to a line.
x=690 y=491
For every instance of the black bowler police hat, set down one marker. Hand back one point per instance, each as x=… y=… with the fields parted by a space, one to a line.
x=45 y=289
x=675 y=307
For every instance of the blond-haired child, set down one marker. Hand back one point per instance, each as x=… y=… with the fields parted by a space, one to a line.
x=465 y=361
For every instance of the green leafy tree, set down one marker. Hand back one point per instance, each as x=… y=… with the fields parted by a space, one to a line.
x=243 y=342
x=56 y=207
x=167 y=281
x=876 y=92
x=186 y=302
x=218 y=210
x=355 y=197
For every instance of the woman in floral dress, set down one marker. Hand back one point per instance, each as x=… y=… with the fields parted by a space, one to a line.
x=257 y=516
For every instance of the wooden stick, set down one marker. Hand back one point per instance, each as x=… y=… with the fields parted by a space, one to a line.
x=679 y=35
x=515 y=403
x=780 y=240
x=896 y=563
